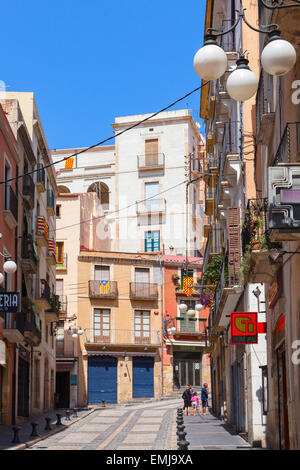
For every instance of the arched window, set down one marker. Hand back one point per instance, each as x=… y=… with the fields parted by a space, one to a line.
x=63 y=189
x=102 y=191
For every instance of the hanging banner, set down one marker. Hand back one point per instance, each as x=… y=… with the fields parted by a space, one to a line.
x=188 y=285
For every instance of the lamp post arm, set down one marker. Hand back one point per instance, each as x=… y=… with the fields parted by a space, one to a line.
x=222 y=33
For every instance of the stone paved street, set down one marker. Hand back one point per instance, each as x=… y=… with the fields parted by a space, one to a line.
x=148 y=426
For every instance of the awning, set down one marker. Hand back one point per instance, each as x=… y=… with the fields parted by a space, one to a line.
x=65 y=363
x=119 y=353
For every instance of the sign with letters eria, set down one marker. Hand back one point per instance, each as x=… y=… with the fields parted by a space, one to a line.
x=243 y=328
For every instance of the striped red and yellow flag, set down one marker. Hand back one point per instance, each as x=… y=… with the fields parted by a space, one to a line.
x=69 y=163
x=104 y=287
x=188 y=285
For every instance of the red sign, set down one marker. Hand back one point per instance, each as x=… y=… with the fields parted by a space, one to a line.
x=243 y=328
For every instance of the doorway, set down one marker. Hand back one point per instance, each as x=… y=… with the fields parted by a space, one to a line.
x=187 y=371
x=62 y=390
x=283 y=418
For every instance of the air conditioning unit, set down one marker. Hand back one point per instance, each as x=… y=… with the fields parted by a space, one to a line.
x=284 y=202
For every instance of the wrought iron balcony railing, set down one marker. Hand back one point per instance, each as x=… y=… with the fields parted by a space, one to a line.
x=143 y=290
x=65 y=347
x=103 y=289
x=151 y=161
x=122 y=337
x=289 y=147
x=28 y=189
x=62 y=263
x=151 y=206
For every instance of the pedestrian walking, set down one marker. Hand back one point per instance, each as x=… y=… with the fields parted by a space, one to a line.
x=195 y=403
x=204 y=398
x=187 y=399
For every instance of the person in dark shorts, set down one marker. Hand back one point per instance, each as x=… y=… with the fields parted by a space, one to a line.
x=187 y=399
x=204 y=398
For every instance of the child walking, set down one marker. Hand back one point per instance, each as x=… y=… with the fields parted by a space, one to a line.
x=195 y=403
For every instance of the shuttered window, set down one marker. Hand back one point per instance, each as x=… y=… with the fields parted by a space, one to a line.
x=101 y=273
x=151 y=152
x=234 y=244
x=152 y=241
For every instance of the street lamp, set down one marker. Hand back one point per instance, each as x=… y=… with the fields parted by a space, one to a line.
x=278 y=58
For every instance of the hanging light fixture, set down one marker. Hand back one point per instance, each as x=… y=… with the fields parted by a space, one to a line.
x=183 y=308
x=191 y=313
x=242 y=83
x=198 y=307
x=279 y=56
x=210 y=62
x=10 y=266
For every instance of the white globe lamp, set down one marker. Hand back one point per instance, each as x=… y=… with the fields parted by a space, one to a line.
x=80 y=331
x=198 y=307
x=191 y=313
x=279 y=56
x=242 y=83
x=10 y=266
x=183 y=308
x=210 y=62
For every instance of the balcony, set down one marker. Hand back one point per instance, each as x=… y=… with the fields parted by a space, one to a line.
x=10 y=212
x=63 y=304
x=51 y=255
x=50 y=203
x=52 y=313
x=190 y=327
x=265 y=116
x=43 y=296
x=32 y=328
x=28 y=191
x=256 y=242
x=103 y=289
x=13 y=328
x=210 y=200
x=62 y=263
x=227 y=294
x=289 y=148
x=122 y=338
x=29 y=255
x=143 y=291
x=65 y=348
x=42 y=230
x=41 y=178
x=152 y=161
x=151 y=206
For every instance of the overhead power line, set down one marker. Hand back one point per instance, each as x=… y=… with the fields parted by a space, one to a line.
x=108 y=138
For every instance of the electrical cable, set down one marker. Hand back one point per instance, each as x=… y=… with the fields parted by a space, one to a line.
x=108 y=138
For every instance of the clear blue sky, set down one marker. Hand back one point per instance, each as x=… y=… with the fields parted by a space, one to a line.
x=90 y=61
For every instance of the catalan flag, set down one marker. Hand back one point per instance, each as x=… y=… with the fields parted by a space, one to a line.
x=69 y=163
x=104 y=287
x=188 y=285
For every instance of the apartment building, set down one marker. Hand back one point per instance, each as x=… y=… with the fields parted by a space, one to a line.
x=277 y=167
x=185 y=338
x=31 y=329
x=118 y=236
x=230 y=193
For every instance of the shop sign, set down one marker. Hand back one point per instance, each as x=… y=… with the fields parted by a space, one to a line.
x=276 y=289
x=9 y=301
x=243 y=328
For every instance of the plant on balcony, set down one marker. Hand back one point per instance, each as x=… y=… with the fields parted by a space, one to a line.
x=55 y=303
x=213 y=271
x=245 y=268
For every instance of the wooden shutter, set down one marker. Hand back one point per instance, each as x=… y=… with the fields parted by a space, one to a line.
x=151 y=151
x=234 y=244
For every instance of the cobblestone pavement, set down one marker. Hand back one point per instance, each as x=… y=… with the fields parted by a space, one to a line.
x=147 y=426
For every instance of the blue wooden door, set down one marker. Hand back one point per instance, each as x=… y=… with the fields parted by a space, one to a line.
x=143 y=377
x=102 y=379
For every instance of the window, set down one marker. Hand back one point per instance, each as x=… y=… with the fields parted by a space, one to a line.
x=151 y=152
x=152 y=241
x=60 y=253
x=188 y=324
x=60 y=289
x=101 y=324
x=151 y=196
x=101 y=273
x=58 y=211
x=142 y=275
x=142 y=326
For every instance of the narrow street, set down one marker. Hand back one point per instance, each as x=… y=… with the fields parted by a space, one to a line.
x=147 y=426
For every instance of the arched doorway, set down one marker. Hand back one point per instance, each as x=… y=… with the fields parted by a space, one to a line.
x=102 y=191
x=63 y=189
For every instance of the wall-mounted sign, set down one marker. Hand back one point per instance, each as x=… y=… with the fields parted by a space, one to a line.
x=9 y=301
x=243 y=328
x=276 y=289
